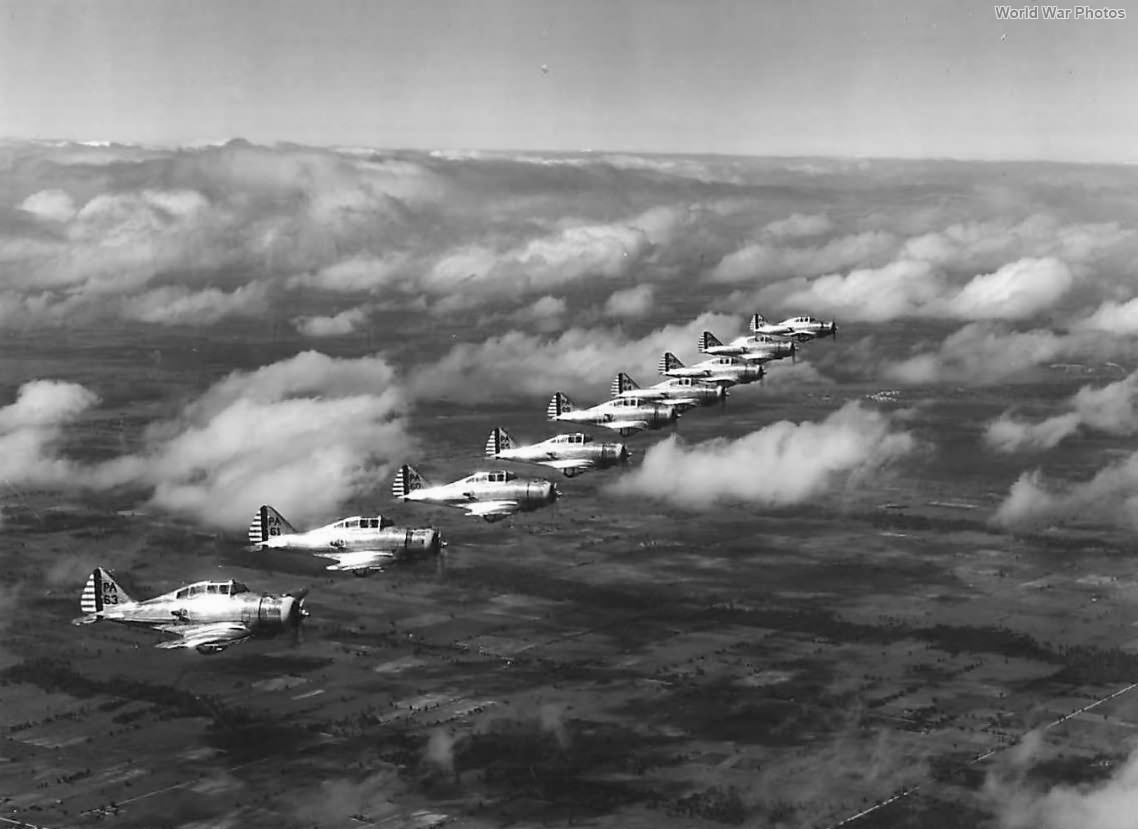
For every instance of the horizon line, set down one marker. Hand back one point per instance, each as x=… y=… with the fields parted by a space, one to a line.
x=202 y=144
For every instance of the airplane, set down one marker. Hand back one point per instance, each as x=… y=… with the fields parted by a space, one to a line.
x=725 y=371
x=797 y=328
x=680 y=392
x=758 y=348
x=624 y=415
x=208 y=616
x=492 y=495
x=571 y=454
x=358 y=544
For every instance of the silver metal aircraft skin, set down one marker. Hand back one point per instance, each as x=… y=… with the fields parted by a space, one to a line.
x=492 y=495
x=208 y=616
x=727 y=371
x=757 y=348
x=571 y=454
x=802 y=328
x=358 y=544
x=624 y=415
x=681 y=392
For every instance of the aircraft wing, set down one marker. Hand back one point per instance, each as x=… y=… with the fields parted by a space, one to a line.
x=683 y=403
x=213 y=636
x=491 y=510
x=570 y=466
x=358 y=560
x=625 y=427
x=721 y=379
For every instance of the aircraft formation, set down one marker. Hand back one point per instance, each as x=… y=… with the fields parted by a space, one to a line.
x=210 y=616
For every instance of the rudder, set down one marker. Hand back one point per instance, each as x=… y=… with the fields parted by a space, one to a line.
x=267 y=522
x=708 y=340
x=559 y=404
x=668 y=362
x=622 y=383
x=100 y=591
x=498 y=441
x=407 y=480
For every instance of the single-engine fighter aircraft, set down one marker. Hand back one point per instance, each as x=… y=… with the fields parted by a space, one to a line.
x=571 y=454
x=759 y=348
x=492 y=495
x=726 y=371
x=624 y=415
x=795 y=328
x=359 y=544
x=207 y=615
x=681 y=392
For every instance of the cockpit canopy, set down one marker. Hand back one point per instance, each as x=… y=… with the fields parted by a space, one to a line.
x=357 y=523
x=212 y=588
x=494 y=476
x=575 y=439
x=804 y=319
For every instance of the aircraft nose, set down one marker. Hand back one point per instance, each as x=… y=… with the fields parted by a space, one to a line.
x=720 y=392
x=551 y=492
x=624 y=453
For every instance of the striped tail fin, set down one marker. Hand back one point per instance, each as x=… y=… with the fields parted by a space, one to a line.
x=622 y=383
x=101 y=591
x=559 y=404
x=267 y=522
x=708 y=340
x=498 y=441
x=668 y=362
x=757 y=322
x=407 y=480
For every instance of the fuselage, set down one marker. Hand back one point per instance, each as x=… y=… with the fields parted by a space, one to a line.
x=207 y=603
x=356 y=534
x=632 y=408
x=529 y=493
x=567 y=447
x=727 y=368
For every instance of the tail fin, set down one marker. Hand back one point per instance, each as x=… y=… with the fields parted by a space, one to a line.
x=498 y=441
x=757 y=322
x=708 y=340
x=669 y=361
x=100 y=591
x=559 y=404
x=268 y=522
x=407 y=480
x=622 y=383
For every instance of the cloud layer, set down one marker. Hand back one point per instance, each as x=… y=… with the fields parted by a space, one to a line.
x=781 y=464
x=305 y=434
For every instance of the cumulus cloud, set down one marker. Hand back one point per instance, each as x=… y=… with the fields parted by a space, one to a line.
x=982 y=353
x=798 y=225
x=1110 y=497
x=631 y=302
x=360 y=274
x=1112 y=317
x=173 y=305
x=32 y=426
x=578 y=361
x=306 y=433
x=768 y=259
x=1105 y=804
x=55 y=205
x=1112 y=409
x=337 y=325
x=914 y=288
x=781 y=464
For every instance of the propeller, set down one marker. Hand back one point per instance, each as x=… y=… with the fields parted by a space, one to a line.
x=441 y=559
x=834 y=330
x=297 y=613
x=793 y=353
